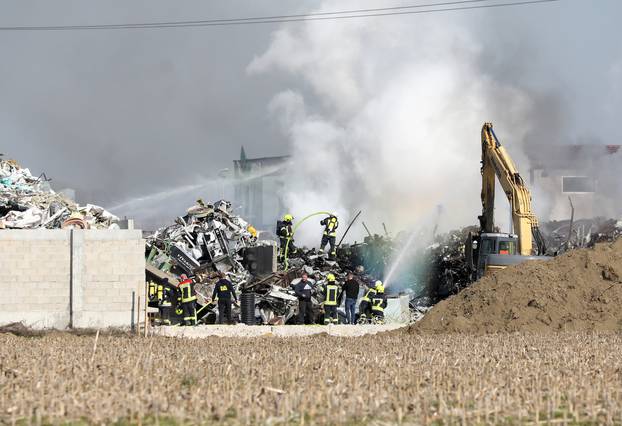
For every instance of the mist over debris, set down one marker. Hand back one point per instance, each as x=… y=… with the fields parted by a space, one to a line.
x=379 y=114
x=391 y=123
x=391 y=111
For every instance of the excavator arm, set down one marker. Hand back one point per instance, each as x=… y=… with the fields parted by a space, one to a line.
x=497 y=162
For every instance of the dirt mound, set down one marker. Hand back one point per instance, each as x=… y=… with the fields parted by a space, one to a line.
x=579 y=290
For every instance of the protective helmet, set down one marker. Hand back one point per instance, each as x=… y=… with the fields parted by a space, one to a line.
x=288 y=218
x=330 y=277
x=379 y=287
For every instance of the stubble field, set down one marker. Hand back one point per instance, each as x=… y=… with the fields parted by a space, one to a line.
x=399 y=377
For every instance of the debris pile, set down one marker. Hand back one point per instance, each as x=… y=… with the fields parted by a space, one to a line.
x=210 y=240
x=441 y=268
x=579 y=290
x=208 y=236
x=561 y=236
x=28 y=202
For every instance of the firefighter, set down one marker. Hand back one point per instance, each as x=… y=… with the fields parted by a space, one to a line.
x=331 y=223
x=378 y=303
x=365 y=306
x=332 y=299
x=152 y=292
x=188 y=300
x=165 y=302
x=223 y=293
x=285 y=233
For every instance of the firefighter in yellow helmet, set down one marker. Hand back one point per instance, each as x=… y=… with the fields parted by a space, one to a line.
x=284 y=230
x=332 y=298
x=330 y=223
x=365 y=306
x=378 y=303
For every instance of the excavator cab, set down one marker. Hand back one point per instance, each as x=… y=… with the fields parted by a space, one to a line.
x=490 y=250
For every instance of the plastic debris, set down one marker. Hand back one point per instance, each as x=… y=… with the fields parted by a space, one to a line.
x=28 y=202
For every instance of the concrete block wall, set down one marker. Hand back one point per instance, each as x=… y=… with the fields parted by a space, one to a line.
x=62 y=278
x=34 y=277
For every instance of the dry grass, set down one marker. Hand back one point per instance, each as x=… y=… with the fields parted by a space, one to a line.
x=393 y=378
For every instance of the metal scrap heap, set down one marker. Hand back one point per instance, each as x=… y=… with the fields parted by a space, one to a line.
x=565 y=235
x=210 y=240
x=207 y=238
x=28 y=202
x=441 y=268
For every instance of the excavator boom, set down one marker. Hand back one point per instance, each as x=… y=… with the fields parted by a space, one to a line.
x=496 y=162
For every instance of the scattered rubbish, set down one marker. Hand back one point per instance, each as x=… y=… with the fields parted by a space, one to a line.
x=28 y=202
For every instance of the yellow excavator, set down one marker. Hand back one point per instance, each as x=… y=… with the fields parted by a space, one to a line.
x=489 y=250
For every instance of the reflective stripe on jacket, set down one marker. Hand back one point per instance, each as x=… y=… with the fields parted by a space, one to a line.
x=331 y=293
x=378 y=302
x=187 y=291
x=370 y=293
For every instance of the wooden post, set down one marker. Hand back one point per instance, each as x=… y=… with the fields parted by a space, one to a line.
x=146 y=305
x=138 y=317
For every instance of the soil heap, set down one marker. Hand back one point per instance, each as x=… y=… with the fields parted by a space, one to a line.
x=579 y=290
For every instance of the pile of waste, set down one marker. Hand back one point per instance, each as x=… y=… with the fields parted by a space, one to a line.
x=28 y=202
x=441 y=267
x=561 y=236
x=211 y=240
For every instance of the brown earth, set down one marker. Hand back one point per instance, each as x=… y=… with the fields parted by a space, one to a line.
x=577 y=291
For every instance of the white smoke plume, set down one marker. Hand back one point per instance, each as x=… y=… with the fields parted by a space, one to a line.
x=388 y=118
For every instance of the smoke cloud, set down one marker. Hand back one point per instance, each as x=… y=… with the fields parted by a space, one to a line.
x=380 y=114
x=390 y=119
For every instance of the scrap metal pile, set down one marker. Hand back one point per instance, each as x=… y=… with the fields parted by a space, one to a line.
x=28 y=202
x=210 y=240
x=565 y=235
x=441 y=268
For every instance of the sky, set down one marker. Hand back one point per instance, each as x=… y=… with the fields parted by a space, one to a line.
x=375 y=112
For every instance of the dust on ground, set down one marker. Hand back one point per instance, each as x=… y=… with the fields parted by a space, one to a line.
x=579 y=290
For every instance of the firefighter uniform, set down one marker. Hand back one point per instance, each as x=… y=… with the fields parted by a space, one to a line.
x=365 y=306
x=330 y=234
x=378 y=303
x=152 y=294
x=223 y=293
x=188 y=301
x=165 y=302
x=286 y=233
x=332 y=299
